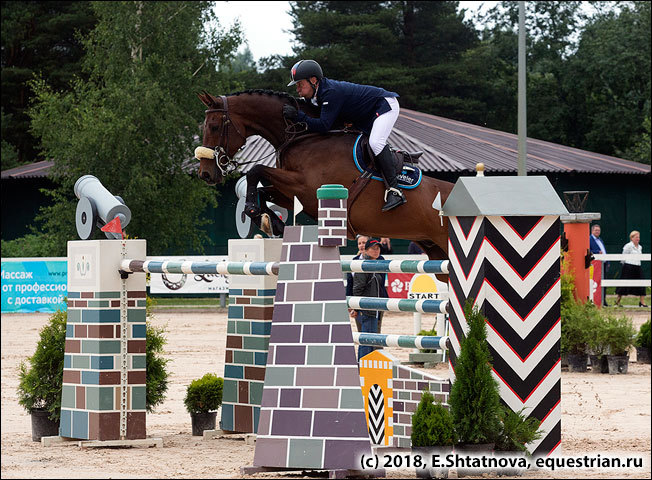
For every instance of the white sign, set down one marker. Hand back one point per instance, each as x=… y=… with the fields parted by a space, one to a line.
x=184 y=283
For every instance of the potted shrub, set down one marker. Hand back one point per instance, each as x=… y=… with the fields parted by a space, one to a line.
x=643 y=343
x=203 y=398
x=574 y=334
x=433 y=433
x=620 y=336
x=41 y=378
x=597 y=341
x=474 y=397
x=517 y=431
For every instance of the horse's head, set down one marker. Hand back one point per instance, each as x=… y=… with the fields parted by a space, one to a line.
x=222 y=139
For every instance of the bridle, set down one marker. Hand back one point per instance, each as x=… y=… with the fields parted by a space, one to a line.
x=227 y=164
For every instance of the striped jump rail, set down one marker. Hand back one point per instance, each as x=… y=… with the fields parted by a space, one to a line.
x=402 y=341
x=223 y=268
x=271 y=268
x=395 y=266
x=397 y=304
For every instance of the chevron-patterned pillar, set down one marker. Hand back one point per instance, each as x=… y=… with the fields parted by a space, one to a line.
x=510 y=265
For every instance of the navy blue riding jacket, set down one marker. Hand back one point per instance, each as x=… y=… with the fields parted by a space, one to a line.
x=348 y=103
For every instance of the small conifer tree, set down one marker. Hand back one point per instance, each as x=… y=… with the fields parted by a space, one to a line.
x=432 y=424
x=474 y=397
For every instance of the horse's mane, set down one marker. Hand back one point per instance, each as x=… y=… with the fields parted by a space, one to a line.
x=261 y=91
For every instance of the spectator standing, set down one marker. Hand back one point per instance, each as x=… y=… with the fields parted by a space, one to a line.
x=386 y=246
x=369 y=284
x=414 y=249
x=632 y=269
x=361 y=240
x=597 y=247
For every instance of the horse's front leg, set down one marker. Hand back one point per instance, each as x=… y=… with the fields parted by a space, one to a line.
x=252 y=208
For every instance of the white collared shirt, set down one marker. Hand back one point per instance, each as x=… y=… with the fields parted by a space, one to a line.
x=629 y=249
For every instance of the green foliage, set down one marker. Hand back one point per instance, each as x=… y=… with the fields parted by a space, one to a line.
x=619 y=333
x=432 y=423
x=204 y=394
x=576 y=320
x=517 y=431
x=156 y=373
x=38 y=38
x=41 y=376
x=643 y=337
x=474 y=397
x=32 y=245
x=134 y=122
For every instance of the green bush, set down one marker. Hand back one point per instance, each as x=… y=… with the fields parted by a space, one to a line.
x=204 y=394
x=619 y=334
x=432 y=424
x=576 y=321
x=474 y=397
x=157 y=374
x=40 y=383
x=517 y=431
x=643 y=337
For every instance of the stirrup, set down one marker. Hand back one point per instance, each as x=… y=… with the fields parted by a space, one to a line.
x=392 y=189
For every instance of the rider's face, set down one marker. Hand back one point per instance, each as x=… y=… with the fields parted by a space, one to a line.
x=304 y=89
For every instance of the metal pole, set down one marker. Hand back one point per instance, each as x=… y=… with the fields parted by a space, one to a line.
x=522 y=115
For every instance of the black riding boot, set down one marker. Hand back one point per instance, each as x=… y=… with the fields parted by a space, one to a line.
x=393 y=196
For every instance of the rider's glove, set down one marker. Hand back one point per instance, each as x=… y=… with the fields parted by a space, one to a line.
x=290 y=113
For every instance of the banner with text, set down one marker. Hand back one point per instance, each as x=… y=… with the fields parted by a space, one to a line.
x=30 y=285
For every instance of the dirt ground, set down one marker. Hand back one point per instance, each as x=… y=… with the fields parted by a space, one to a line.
x=603 y=414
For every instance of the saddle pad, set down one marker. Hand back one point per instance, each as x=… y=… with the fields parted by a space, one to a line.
x=409 y=178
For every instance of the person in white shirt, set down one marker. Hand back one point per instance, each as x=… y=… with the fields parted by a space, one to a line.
x=632 y=269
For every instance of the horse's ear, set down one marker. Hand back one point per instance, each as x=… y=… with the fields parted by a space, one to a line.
x=205 y=98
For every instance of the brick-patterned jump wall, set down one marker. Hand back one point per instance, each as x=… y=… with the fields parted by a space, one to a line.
x=312 y=413
x=91 y=396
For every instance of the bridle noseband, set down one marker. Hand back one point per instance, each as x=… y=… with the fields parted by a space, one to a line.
x=224 y=162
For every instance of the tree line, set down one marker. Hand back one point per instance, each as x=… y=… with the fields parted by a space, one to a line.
x=109 y=87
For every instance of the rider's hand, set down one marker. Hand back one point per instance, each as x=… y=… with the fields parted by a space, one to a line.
x=290 y=112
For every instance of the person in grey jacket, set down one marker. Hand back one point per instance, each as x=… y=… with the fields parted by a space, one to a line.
x=368 y=284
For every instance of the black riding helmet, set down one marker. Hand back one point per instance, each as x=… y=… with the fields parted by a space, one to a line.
x=303 y=70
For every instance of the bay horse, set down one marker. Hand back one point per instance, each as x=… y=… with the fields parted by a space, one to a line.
x=305 y=162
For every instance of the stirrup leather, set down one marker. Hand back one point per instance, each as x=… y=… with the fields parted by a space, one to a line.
x=392 y=189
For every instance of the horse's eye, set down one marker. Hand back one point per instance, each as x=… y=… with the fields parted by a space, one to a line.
x=214 y=128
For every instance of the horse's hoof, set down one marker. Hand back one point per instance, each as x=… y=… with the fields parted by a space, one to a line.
x=266 y=224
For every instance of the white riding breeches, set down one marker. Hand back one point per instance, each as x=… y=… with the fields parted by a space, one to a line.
x=382 y=126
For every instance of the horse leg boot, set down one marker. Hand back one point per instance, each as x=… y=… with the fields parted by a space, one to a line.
x=393 y=196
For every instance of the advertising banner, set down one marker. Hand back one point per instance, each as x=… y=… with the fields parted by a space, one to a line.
x=416 y=286
x=34 y=285
x=185 y=283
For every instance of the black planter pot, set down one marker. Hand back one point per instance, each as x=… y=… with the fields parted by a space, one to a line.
x=578 y=362
x=427 y=454
x=618 y=364
x=42 y=426
x=203 y=421
x=474 y=449
x=642 y=354
x=599 y=363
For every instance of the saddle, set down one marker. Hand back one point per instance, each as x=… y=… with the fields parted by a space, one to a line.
x=405 y=163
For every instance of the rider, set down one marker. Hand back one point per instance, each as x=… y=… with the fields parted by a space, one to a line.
x=370 y=109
